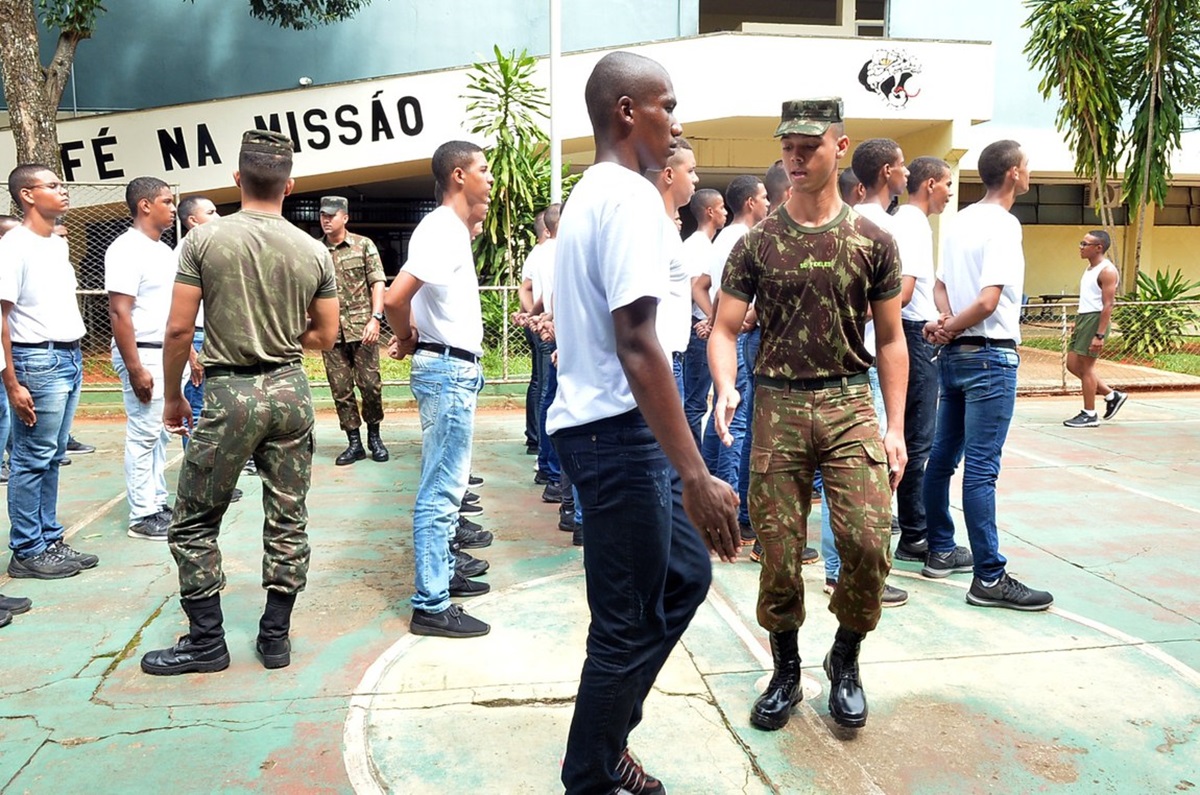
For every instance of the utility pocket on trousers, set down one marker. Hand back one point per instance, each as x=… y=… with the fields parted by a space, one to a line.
x=760 y=461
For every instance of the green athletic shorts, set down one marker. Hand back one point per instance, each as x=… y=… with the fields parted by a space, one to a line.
x=1087 y=325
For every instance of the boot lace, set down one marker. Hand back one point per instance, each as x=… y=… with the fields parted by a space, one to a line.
x=634 y=777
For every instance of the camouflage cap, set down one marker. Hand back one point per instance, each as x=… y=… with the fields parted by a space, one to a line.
x=331 y=204
x=809 y=116
x=268 y=142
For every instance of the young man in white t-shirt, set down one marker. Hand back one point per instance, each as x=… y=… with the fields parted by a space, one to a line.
x=433 y=306
x=619 y=426
x=42 y=329
x=978 y=292
x=139 y=275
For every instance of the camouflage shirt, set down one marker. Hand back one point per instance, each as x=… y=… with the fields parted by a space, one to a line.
x=812 y=287
x=257 y=275
x=358 y=267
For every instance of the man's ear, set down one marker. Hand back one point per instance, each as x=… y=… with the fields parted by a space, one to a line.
x=289 y=186
x=237 y=178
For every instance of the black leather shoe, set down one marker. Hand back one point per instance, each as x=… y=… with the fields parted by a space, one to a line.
x=847 y=701
x=461 y=586
x=773 y=708
x=375 y=444
x=912 y=551
x=274 y=653
x=353 y=452
x=186 y=657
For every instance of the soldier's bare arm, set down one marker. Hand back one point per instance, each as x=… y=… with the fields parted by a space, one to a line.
x=722 y=361
x=891 y=356
x=120 y=315
x=710 y=503
x=177 y=345
x=322 y=328
x=397 y=305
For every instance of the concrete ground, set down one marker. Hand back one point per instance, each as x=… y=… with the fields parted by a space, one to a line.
x=1101 y=694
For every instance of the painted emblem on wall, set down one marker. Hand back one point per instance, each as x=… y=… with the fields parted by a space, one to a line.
x=890 y=74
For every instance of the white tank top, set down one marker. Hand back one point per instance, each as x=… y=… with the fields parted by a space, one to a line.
x=1090 y=298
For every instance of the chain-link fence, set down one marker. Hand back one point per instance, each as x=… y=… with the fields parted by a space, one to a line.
x=1151 y=344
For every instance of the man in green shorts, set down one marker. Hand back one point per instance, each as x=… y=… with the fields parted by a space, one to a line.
x=1097 y=291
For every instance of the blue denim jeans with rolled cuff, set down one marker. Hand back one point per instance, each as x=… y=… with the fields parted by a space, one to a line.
x=53 y=378
x=446 y=390
x=978 y=396
x=647 y=571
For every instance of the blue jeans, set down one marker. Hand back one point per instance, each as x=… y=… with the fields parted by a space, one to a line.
x=547 y=458
x=833 y=562
x=978 y=395
x=677 y=371
x=920 y=416
x=724 y=462
x=5 y=422
x=749 y=342
x=697 y=383
x=647 y=571
x=53 y=378
x=194 y=394
x=446 y=390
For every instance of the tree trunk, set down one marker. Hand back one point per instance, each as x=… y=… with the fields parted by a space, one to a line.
x=31 y=91
x=1156 y=66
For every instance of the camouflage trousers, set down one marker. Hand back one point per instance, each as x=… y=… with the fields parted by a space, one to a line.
x=351 y=364
x=268 y=416
x=794 y=432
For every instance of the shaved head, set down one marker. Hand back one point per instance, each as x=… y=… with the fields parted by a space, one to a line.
x=616 y=75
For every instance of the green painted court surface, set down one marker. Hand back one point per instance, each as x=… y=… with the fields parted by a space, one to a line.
x=1101 y=694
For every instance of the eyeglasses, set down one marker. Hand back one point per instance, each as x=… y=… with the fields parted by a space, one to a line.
x=1085 y=244
x=55 y=186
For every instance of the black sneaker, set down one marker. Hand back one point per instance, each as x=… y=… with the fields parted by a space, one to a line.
x=461 y=586
x=250 y=468
x=914 y=552
x=552 y=493
x=894 y=597
x=469 y=510
x=541 y=478
x=467 y=524
x=470 y=498
x=167 y=513
x=747 y=533
x=1083 y=420
x=895 y=526
x=808 y=556
x=467 y=565
x=1008 y=592
x=756 y=551
x=634 y=778
x=235 y=495
x=450 y=623
x=474 y=481
x=577 y=536
x=84 y=559
x=15 y=605
x=150 y=528
x=566 y=523
x=4 y=472
x=470 y=536
x=77 y=447
x=830 y=586
x=47 y=565
x=5 y=618
x=1113 y=404
x=943 y=564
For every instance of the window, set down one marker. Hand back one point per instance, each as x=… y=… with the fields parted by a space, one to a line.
x=820 y=17
x=1181 y=208
x=1062 y=205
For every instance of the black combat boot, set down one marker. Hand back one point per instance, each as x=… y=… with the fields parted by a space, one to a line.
x=354 y=452
x=774 y=707
x=375 y=444
x=200 y=651
x=847 y=701
x=273 y=646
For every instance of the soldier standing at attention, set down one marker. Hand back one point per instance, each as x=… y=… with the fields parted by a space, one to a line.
x=354 y=358
x=256 y=401
x=814 y=268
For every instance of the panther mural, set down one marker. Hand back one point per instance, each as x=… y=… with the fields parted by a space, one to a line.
x=888 y=74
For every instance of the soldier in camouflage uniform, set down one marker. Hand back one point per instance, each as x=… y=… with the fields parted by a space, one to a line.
x=354 y=358
x=816 y=270
x=268 y=292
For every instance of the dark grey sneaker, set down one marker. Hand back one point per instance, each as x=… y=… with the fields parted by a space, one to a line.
x=461 y=586
x=46 y=566
x=1113 y=404
x=150 y=528
x=450 y=623
x=1083 y=420
x=76 y=447
x=467 y=565
x=16 y=605
x=84 y=559
x=469 y=535
x=894 y=597
x=1010 y=593
x=943 y=564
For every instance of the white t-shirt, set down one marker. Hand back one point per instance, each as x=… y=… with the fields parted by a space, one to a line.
x=36 y=275
x=145 y=269
x=446 y=310
x=697 y=254
x=543 y=279
x=879 y=216
x=914 y=238
x=531 y=270
x=610 y=254
x=983 y=249
x=721 y=246
x=673 y=320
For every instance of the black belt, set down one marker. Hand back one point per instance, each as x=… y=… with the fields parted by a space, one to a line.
x=811 y=384
x=155 y=345
x=981 y=342
x=913 y=323
x=48 y=346
x=448 y=350
x=265 y=368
